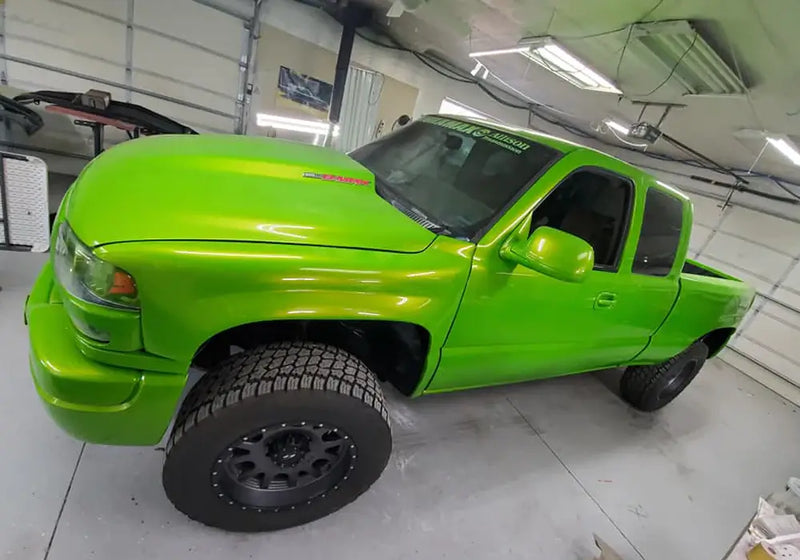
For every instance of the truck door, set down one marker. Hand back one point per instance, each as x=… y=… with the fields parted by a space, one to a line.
x=515 y=323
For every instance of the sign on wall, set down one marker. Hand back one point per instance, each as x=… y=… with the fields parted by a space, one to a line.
x=299 y=91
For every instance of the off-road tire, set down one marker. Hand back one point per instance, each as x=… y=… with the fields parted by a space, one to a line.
x=281 y=384
x=649 y=388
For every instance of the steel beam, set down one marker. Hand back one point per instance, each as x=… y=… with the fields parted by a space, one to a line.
x=246 y=68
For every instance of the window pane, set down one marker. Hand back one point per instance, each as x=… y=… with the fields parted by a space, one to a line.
x=592 y=206
x=459 y=175
x=661 y=234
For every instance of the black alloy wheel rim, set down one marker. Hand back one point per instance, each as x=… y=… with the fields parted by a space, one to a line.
x=283 y=466
x=678 y=382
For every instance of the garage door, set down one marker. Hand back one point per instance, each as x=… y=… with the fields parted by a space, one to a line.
x=135 y=49
x=763 y=250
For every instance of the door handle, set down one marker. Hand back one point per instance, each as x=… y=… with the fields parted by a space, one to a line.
x=605 y=300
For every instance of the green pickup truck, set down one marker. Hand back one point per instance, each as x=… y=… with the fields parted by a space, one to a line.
x=450 y=254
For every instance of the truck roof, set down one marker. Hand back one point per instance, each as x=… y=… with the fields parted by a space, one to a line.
x=564 y=146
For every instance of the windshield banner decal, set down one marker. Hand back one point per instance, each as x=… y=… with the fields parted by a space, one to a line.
x=507 y=141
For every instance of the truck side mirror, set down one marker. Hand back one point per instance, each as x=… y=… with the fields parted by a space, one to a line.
x=552 y=252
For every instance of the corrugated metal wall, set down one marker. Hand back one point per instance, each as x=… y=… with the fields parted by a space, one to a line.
x=763 y=250
x=359 y=108
x=176 y=49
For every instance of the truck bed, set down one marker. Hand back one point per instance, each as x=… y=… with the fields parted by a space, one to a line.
x=699 y=269
x=708 y=300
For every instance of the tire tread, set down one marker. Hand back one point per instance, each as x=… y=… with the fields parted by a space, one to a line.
x=637 y=380
x=283 y=366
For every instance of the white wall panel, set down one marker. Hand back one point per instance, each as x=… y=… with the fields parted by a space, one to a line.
x=783 y=235
x=754 y=258
x=789 y=297
x=185 y=63
x=786 y=389
x=700 y=235
x=61 y=25
x=707 y=211
x=775 y=334
x=113 y=8
x=62 y=59
x=793 y=280
x=172 y=87
x=763 y=285
x=782 y=313
x=786 y=369
x=192 y=22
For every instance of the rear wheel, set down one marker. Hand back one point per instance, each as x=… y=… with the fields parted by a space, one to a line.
x=649 y=388
x=277 y=436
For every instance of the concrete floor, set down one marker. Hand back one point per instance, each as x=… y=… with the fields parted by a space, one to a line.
x=527 y=471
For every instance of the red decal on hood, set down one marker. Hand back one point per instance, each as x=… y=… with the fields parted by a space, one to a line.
x=335 y=178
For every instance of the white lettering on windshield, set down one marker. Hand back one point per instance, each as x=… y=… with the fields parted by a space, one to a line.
x=511 y=143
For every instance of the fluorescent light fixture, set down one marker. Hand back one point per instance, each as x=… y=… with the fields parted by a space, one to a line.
x=480 y=54
x=548 y=54
x=621 y=128
x=478 y=68
x=316 y=128
x=785 y=148
x=453 y=107
x=677 y=44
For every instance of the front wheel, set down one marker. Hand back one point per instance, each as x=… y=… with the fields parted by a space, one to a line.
x=276 y=437
x=649 y=388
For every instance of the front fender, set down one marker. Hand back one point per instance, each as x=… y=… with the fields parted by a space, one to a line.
x=190 y=291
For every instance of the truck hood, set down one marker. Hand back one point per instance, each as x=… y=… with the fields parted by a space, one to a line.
x=235 y=188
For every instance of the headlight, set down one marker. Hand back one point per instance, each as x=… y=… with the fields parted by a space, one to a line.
x=89 y=278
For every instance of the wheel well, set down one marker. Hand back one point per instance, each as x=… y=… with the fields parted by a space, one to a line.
x=393 y=350
x=717 y=339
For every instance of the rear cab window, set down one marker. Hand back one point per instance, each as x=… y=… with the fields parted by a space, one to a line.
x=662 y=224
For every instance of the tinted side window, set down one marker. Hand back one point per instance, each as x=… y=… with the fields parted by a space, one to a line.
x=661 y=234
x=593 y=206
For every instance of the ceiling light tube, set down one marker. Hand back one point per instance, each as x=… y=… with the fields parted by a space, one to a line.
x=499 y=51
x=477 y=69
x=264 y=117
x=785 y=148
x=622 y=129
x=566 y=66
x=296 y=125
x=548 y=54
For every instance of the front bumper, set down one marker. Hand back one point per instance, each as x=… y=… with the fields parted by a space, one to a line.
x=93 y=401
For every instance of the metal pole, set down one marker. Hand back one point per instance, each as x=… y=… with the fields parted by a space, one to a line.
x=342 y=65
x=3 y=65
x=246 y=68
x=129 y=49
x=758 y=157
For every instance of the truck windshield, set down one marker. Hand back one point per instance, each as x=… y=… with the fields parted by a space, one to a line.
x=452 y=176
